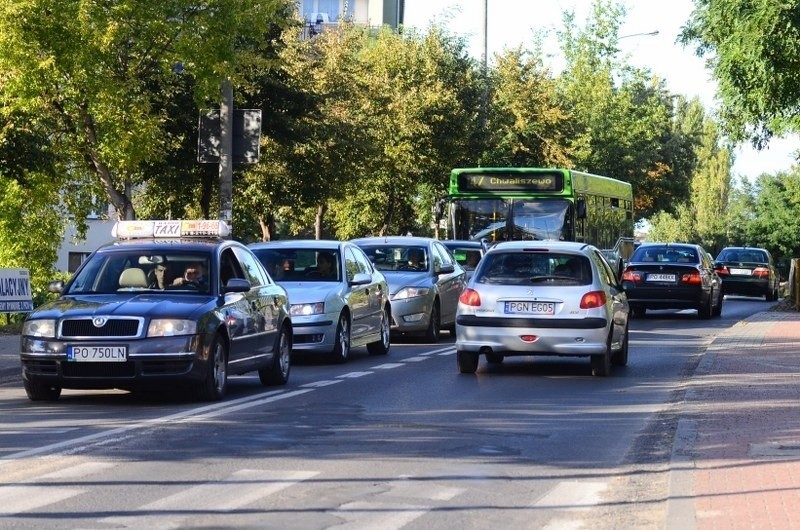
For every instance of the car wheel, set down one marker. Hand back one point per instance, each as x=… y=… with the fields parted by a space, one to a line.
x=706 y=310
x=718 y=308
x=381 y=347
x=620 y=358
x=41 y=391
x=467 y=362
x=494 y=358
x=341 y=350
x=601 y=364
x=435 y=324
x=215 y=384
x=278 y=372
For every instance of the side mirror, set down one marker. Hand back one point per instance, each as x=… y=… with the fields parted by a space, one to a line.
x=361 y=278
x=237 y=285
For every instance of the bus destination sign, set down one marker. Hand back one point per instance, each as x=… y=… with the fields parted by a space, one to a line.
x=522 y=182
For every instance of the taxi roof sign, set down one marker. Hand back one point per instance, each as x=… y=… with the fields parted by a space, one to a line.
x=167 y=228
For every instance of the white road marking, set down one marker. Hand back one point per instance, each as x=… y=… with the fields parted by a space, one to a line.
x=239 y=489
x=571 y=495
x=354 y=375
x=320 y=384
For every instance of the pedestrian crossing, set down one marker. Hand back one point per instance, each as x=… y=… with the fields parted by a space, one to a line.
x=183 y=502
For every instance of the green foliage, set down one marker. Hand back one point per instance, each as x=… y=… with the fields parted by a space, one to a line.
x=753 y=49
x=98 y=71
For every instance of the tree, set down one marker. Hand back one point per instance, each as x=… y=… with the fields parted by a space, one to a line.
x=775 y=215
x=527 y=124
x=753 y=51
x=621 y=118
x=96 y=70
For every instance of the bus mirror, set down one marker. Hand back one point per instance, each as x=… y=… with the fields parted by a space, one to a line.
x=580 y=208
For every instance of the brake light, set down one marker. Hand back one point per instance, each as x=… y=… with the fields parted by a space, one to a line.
x=593 y=299
x=692 y=278
x=632 y=276
x=470 y=297
x=723 y=270
x=761 y=272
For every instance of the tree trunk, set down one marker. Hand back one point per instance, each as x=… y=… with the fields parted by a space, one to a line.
x=321 y=209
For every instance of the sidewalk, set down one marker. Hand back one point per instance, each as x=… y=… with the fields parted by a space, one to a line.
x=736 y=458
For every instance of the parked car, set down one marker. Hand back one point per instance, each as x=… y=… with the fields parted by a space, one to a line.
x=167 y=304
x=424 y=282
x=543 y=298
x=467 y=253
x=339 y=300
x=672 y=276
x=748 y=271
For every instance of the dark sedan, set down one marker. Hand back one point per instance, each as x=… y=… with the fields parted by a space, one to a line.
x=672 y=276
x=167 y=304
x=748 y=271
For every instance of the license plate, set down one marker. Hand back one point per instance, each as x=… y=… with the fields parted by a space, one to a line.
x=660 y=277
x=97 y=354
x=530 y=308
x=745 y=272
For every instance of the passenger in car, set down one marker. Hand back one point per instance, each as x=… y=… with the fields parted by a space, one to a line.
x=158 y=277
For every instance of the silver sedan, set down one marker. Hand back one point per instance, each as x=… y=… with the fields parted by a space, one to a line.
x=425 y=282
x=338 y=300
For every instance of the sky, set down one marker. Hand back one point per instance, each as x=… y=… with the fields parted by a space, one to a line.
x=511 y=22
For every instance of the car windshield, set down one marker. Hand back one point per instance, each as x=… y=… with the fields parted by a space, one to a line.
x=389 y=258
x=665 y=254
x=301 y=264
x=518 y=268
x=150 y=270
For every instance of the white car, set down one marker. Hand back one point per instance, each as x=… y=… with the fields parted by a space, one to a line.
x=543 y=298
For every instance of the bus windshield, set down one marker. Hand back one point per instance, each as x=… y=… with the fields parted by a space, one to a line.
x=512 y=219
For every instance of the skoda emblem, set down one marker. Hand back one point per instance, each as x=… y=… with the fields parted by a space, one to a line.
x=99 y=322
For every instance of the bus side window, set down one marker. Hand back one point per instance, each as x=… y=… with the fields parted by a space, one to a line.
x=580 y=208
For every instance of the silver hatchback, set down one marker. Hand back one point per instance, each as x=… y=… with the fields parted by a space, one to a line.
x=543 y=298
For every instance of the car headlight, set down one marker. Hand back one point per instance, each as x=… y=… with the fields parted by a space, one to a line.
x=304 y=310
x=171 y=327
x=411 y=292
x=44 y=328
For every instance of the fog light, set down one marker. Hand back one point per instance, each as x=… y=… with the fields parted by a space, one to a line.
x=528 y=338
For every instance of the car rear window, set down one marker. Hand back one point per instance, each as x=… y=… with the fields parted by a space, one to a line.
x=520 y=268
x=666 y=254
x=749 y=255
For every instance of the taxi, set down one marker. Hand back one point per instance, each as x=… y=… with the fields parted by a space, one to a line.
x=167 y=303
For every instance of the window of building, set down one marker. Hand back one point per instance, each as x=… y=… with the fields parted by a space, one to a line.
x=75 y=259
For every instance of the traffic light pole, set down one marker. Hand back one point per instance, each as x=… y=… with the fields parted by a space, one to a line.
x=226 y=154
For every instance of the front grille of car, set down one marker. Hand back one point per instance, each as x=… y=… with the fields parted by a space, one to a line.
x=99 y=370
x=117 y=327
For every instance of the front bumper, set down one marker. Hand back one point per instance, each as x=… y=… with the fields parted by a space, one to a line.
x=158 y=360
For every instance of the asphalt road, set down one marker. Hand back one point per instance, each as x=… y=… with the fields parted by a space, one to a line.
x=401 y=441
